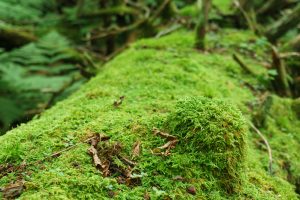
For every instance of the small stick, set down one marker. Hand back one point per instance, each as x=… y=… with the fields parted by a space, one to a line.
x=167 y=136
x=266 y=143
x=289 y=54
x=242 y=64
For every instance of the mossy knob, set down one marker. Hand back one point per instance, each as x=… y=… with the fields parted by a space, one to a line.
x=215 y=131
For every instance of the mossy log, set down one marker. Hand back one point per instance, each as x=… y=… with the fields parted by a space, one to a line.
x=210 y=128
x=150 y=78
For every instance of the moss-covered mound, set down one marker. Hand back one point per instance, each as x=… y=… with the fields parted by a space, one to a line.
x=215 y=132
x=152 y=75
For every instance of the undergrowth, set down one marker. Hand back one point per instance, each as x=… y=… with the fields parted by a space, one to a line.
x=32 y=76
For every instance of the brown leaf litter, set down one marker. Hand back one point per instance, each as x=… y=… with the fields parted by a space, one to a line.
x=107 y=157
x=13 y=190
x=171 y=144
x=117 y=103
x=136 y=150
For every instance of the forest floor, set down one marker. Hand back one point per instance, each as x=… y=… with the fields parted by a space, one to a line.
x=162 y=121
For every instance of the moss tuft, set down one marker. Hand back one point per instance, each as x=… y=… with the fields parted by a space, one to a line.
x=215 y=131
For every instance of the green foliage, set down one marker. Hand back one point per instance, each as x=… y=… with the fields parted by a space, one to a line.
x=31 y=76
x=215 y=132
x=24 y=12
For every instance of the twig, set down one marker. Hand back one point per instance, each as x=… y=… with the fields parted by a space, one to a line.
x=242 y=64
x=266 y=143
x=168 y=30
x=129 y=162
x=167 y=136
x=58 y=153
x=289 y=54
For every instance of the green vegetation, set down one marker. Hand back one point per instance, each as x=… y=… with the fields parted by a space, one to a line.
x=33 y=76
x=211 y=115
x=215 y=133
x=155 y=76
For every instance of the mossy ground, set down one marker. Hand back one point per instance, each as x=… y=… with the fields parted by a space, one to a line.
x=153 y=75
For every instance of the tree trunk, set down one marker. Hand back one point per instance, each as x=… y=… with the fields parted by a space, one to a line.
x=280 y=83
x=204 y=8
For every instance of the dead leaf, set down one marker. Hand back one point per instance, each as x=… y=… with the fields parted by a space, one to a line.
x=119 y=102
x=111 y=194
x=14 y=190
x=136 y=149
x=168 y=146
x=191 y=190
x=178 y=178
x=147 y=196
x=93 y=152
x=103 y=166
x=163 y=134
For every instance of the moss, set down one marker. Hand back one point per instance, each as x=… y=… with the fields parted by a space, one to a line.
x=152 y=75
x=215 y=132
x=296 y=107
x=282 y=127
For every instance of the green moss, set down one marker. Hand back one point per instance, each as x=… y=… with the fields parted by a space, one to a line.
x=296 y=107
x=215 y=132
x=152 y=75
x=282 y=127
